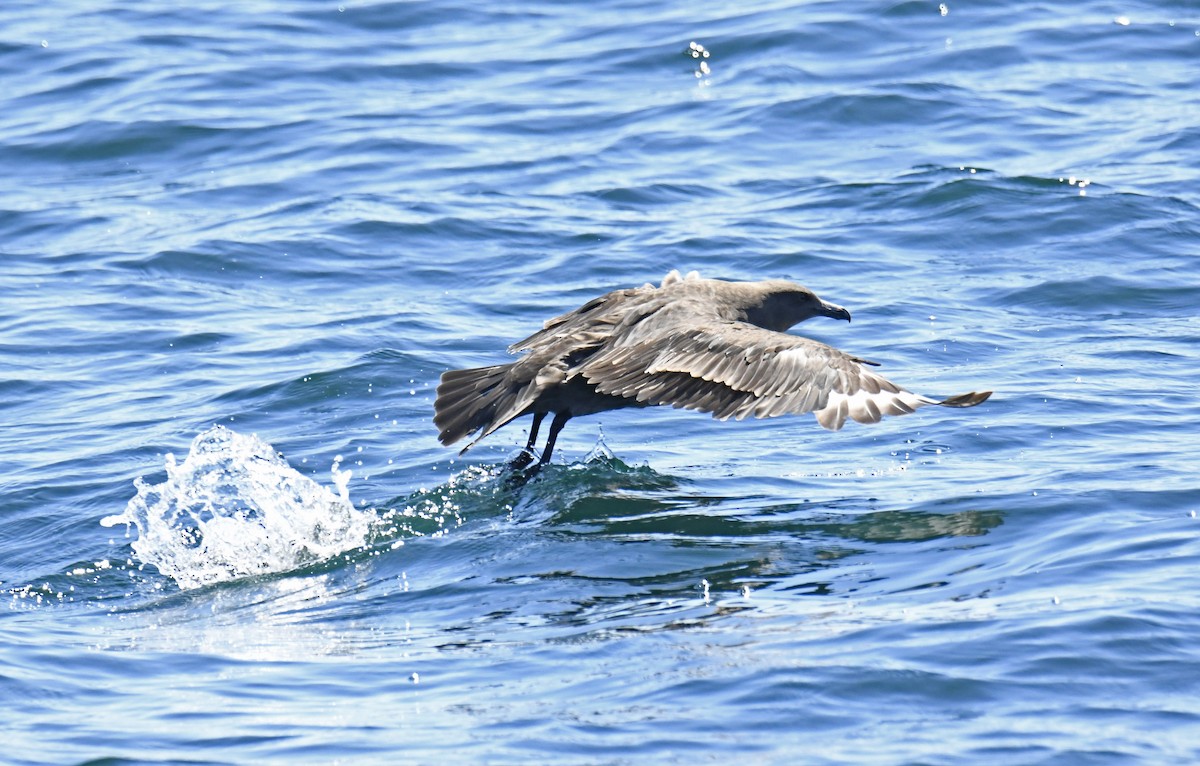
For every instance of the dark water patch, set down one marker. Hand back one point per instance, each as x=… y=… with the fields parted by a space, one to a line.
x=201 y=341
x=29 y=232
x=1187 y=139
x=815 y=31
x=852 y=111
x=106 y=141
x=981 y=58
x=657 y=194
x=1105 y=296
x=291 y=265
x=1141 y=40
x=599 y=475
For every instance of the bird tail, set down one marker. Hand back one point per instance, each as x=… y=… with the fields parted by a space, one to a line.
x=479 y=398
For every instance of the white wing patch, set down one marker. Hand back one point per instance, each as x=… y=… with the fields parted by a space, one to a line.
x=865 y=407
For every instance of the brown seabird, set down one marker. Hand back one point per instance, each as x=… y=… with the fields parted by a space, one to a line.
x=699 y=344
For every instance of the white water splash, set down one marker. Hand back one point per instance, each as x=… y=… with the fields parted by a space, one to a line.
x=235 y=508
x=600 y=451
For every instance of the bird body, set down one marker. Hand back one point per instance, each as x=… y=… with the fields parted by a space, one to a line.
x=701 y=344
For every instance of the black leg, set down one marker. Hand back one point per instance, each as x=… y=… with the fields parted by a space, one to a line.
x=538 y=417
x=520 y=474
x=526 y=456
x=560 y=420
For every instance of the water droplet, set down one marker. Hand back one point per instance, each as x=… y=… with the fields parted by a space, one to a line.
x=697 y=51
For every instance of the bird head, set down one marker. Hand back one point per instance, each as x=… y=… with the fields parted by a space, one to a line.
x=782 y=304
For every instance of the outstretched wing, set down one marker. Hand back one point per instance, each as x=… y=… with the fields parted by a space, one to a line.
x=596 y=317
x=737 y=370
x=595 y=321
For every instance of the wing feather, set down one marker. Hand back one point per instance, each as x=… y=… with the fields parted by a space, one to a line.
x=733 y=369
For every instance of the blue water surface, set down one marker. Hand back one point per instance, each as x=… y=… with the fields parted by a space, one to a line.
x=239 y=243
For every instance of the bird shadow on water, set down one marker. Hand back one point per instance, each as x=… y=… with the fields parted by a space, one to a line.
x=604 y=495
x=635 y=540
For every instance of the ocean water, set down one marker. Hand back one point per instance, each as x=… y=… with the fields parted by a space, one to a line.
x=240 y=242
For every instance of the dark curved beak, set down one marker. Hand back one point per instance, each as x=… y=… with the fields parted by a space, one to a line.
x=834 y=311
